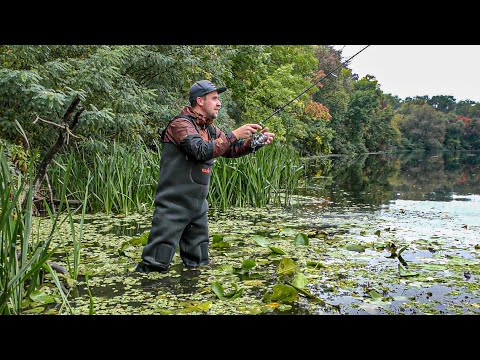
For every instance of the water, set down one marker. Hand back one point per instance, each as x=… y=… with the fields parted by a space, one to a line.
x=395 y=234
x=381 y=179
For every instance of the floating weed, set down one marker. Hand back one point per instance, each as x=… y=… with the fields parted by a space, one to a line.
x=334 y=274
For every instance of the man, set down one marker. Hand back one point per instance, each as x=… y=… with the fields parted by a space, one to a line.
x=190 y=143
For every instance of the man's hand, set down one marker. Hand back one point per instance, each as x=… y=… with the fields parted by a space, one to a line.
x=246 y=131
x=270 y=136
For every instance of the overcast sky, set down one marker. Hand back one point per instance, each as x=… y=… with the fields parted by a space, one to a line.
x=411 y=70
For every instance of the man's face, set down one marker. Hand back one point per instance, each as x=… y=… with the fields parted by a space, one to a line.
x=211 y=104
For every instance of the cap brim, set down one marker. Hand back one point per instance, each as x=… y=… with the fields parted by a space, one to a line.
x=221 y=89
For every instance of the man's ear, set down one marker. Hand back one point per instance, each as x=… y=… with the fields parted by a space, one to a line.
x=200 y=100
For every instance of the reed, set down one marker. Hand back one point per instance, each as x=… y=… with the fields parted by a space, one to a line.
x=125 y=178
x=267 y=177
x=23 y=255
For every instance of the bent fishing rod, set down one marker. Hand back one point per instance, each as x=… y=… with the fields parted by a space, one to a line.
x=314 y=84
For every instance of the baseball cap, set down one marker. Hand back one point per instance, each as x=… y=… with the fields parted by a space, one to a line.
x=203 y=87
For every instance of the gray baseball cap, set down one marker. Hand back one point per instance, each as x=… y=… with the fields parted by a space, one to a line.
x=203 y=87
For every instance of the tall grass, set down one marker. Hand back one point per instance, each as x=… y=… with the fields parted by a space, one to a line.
x=125 y=177
x=267 y=177
x=23 y=256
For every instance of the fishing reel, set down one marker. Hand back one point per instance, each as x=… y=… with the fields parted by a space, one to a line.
x=258 y=139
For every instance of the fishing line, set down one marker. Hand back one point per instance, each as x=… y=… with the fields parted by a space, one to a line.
x=315 y=83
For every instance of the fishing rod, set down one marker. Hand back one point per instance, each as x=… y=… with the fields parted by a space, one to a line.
x=314 y=84
x=258 y=139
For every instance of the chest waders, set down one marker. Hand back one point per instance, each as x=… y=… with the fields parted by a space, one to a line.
x=180 y=216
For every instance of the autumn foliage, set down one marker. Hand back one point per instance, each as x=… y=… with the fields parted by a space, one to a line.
x=317 y=111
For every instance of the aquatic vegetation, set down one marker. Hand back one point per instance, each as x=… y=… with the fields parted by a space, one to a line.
x=283 y=261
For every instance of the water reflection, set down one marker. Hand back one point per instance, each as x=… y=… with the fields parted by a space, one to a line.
x=376 y=179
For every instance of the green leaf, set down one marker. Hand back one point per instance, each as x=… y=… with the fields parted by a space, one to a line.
x=217 y=288
x=300 y=280
x=41 y=297
x=402 y=249
x=301 y=239
x=260 y=240
x=140 y=240
x=404 y=273
x=217 y=238
x=248 y=264
x=221 y=245
x=375 y=295
x=355 y=247
x=286 y=266
x=282 y=294
x=277 y=250
x=315 y=264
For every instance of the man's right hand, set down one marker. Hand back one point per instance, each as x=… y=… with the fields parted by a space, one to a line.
x=246 y=131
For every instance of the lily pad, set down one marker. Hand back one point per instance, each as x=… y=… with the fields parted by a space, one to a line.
x=218 y=289
x=41 y=297
x=300 y=280
x=355 y=247
x=260 y=240
x=277 y=250
x=281 y=294
x=301 y=239
x=286 y=266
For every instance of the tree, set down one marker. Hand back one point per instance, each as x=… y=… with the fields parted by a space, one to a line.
x=454 y=133
x=286 y=71
x=61 y=94
x=423 y=127
x=468 y=108
x=334 y=92
x=442 y=103
x=361 y=121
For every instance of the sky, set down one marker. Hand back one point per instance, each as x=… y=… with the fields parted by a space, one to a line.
x=411 y=70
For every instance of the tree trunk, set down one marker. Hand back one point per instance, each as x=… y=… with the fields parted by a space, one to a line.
x=62 y=135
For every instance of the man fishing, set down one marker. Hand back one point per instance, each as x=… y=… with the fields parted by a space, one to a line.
x=190 y=143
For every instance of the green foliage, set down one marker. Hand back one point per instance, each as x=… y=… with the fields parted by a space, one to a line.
x=219 y=291
x=125 y=176
x=442 y=103
x=265 y=78
x=23 y=256
x=335 y=94
x=44 y=86
x=267 y=177
x=281 y=293
x=301 y=239
x=468 y=108
x=423 y=127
